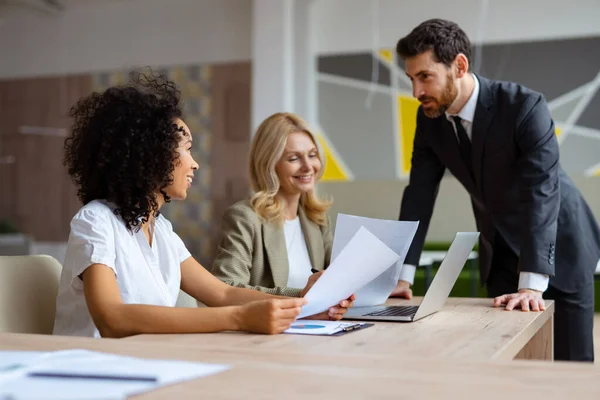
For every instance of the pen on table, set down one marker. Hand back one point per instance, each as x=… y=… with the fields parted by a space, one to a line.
x=61 y=375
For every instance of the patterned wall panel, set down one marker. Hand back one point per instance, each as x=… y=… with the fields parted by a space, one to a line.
x=367 y=117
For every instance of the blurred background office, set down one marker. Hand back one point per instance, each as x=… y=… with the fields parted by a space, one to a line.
x=238 y=61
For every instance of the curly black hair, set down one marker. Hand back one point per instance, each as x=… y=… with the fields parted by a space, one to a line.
x=122 y=146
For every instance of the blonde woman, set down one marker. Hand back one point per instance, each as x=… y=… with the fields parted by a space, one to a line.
x=274 y=241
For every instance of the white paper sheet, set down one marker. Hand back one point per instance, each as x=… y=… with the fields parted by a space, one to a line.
x=11 y=360
x=14 y=363
x=317 y=327
x=362 y=259
x=167 y=372
x=397 y=235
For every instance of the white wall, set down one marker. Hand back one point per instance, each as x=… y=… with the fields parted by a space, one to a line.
x=346 y=25
x=103 y=35
x=272 y=58
x=283 y=66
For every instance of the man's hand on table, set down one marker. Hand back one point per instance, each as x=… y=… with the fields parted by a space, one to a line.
x=402 y=290
x=525 y=299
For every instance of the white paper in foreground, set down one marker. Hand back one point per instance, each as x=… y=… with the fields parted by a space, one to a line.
x=360 y=261
x=397 y=235
x=88 y=362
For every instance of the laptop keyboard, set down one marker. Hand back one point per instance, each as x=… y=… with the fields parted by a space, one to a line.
x=396 y=311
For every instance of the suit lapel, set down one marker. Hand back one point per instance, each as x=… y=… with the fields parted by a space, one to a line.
x=314 y=240
x=481 y=124
x=274 y=242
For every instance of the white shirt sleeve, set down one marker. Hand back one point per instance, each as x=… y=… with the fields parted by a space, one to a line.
x=182 y=252
x=91 y=241
x=532 y=280
x=408 y=273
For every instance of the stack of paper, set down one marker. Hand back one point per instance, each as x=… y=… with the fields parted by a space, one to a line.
x=397 y=235
x=363 y=249
x=82 y=374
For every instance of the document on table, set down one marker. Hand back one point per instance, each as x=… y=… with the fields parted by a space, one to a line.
x=397 y=235
x=82 y=375
x=324 y=328
x=348 y=272
x=12 y=364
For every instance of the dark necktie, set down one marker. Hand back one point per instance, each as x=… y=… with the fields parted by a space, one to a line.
x=464 y=143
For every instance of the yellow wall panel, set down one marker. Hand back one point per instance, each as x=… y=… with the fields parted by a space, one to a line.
x=407 y=119
x=333 y=169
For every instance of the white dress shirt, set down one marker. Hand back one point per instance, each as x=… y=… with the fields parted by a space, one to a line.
x=145 y=275
x=527 y=280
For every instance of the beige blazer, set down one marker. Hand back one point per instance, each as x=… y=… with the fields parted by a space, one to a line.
x=252 y=253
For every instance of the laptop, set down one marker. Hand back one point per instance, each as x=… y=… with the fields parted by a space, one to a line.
x=436 y=295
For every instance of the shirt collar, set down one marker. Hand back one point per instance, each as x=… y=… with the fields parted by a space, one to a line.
x=468 y=111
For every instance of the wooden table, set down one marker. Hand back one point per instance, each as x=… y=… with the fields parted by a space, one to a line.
x=258 y=374
x=466 y=329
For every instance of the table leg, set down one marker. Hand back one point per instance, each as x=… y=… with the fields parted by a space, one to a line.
x=541 y=345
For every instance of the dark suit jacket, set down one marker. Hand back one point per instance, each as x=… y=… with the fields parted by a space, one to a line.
x=252 y=253
x=518 y=190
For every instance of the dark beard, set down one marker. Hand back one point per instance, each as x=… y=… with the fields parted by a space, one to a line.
x=435 y=112
x=447 y=98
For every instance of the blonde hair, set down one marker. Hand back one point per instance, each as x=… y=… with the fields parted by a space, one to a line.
x=267 y=148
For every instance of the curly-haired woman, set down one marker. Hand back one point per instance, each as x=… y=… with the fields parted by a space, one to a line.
x=129 y=154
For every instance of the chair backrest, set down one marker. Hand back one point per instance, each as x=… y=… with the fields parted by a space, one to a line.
x=28 y=290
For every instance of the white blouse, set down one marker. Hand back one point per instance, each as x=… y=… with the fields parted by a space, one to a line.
x=297 y=251
x=145 y=275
